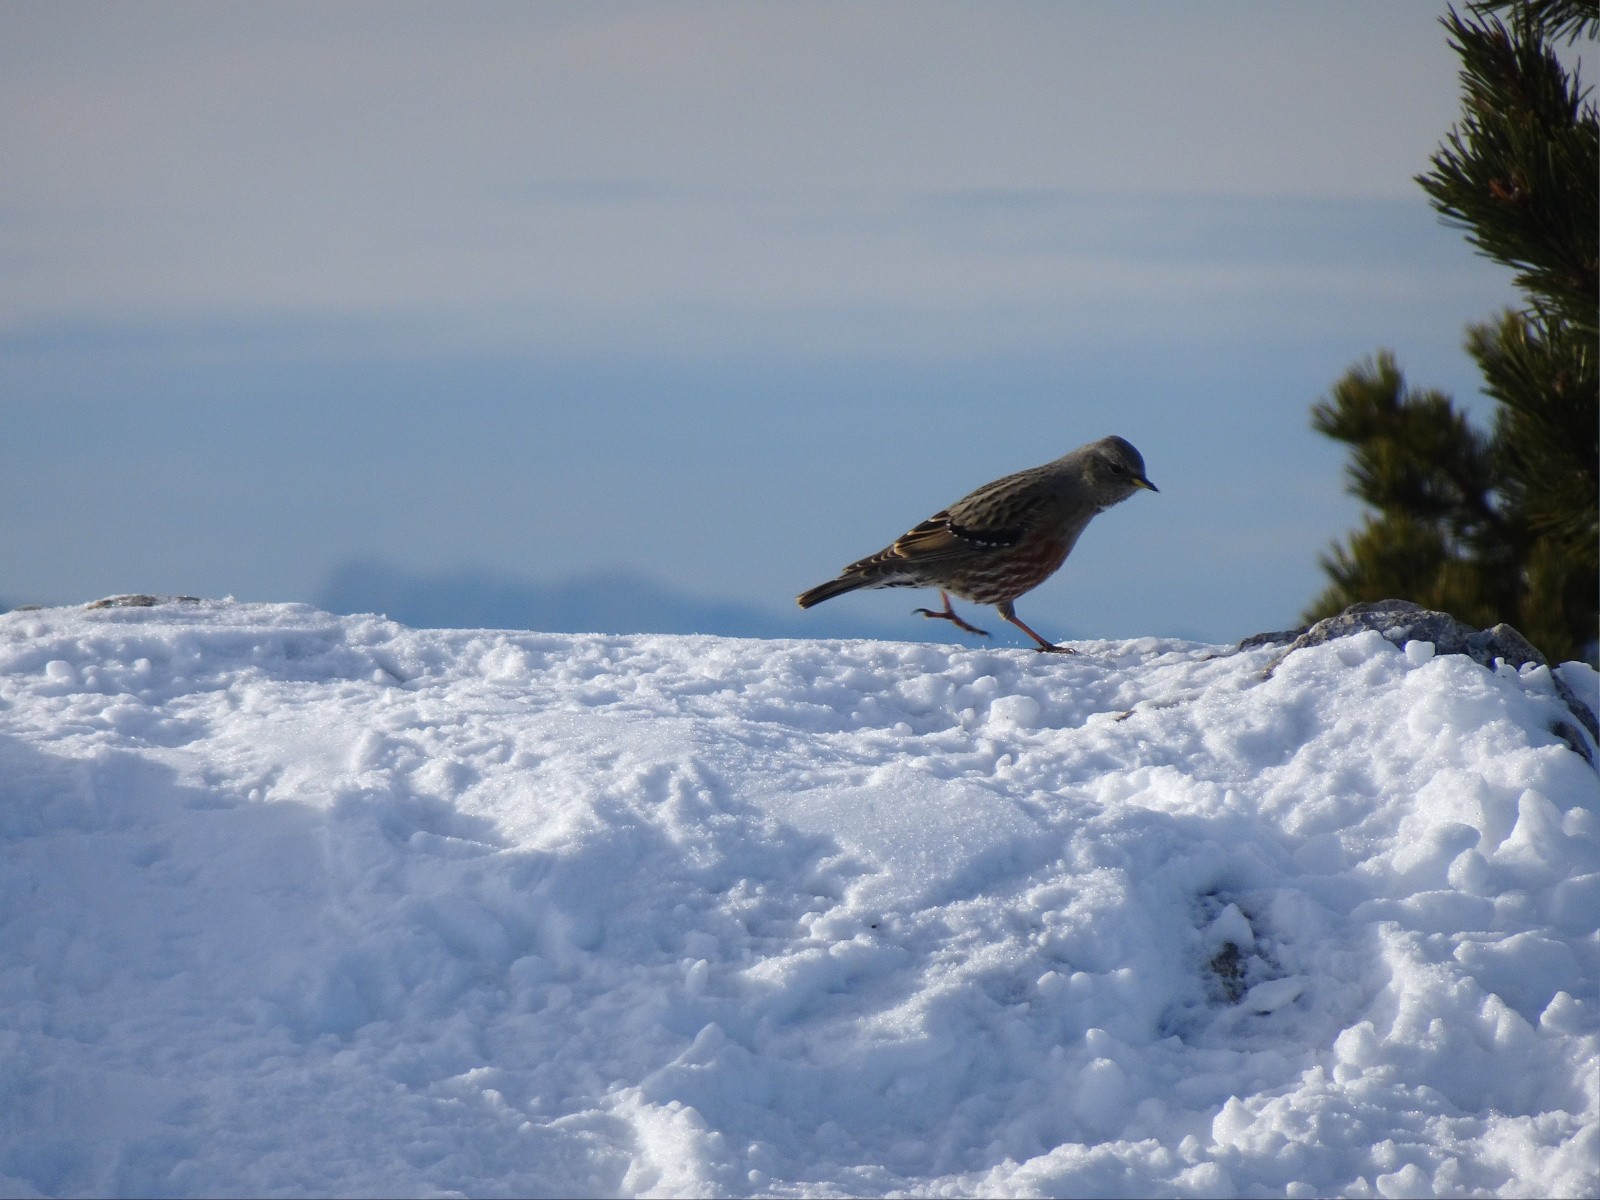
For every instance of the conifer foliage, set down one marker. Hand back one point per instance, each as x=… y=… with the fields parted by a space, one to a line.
x=1502 y=525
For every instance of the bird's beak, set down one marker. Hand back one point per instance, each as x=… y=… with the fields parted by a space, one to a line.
x=1145 y=483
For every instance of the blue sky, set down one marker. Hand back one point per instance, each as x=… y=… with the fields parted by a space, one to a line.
x=727 y=294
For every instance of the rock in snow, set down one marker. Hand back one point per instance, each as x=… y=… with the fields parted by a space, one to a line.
x=1401 y=621
x=301 y=904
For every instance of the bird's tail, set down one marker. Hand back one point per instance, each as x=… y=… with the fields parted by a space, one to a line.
x=827 y=591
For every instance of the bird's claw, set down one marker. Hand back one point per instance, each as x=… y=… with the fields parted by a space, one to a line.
x=952 y=617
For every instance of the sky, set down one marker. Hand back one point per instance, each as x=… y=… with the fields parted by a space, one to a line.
x=727 y=295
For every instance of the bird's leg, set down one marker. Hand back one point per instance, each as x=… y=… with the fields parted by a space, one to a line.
x=1010 y=614
x=949 y=614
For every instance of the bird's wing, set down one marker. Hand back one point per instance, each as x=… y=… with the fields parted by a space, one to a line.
x=997 y=516
x=991 y=518
x=939 y=536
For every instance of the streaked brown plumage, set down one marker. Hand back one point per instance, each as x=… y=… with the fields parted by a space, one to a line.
x=1002 y=540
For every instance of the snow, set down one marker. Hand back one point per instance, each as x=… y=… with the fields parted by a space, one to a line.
x=302 y=904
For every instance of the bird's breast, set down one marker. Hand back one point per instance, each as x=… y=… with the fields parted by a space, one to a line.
x=1006 y=574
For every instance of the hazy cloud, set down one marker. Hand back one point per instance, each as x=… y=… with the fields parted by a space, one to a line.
x=376 y=157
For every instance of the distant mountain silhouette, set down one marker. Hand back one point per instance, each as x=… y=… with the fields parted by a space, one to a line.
x=600 y=602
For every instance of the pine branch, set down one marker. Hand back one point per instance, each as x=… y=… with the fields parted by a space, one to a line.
x=1547 y=434
x=1413 y=452
x=1517 y=172
x=1557 y=20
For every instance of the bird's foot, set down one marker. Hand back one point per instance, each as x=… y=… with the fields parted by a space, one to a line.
x=1005 y=609
x=951 y=617
x=949 y=614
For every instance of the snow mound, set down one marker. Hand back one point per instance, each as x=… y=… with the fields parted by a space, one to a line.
x=303 y=904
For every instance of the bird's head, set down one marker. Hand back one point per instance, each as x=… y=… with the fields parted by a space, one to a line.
x=1114 y=470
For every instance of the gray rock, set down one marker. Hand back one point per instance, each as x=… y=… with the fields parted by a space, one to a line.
x=141 y=601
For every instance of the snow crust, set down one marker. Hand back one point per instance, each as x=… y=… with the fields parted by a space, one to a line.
x=302 y=904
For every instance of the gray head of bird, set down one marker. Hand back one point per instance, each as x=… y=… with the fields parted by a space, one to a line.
x=1114 y=470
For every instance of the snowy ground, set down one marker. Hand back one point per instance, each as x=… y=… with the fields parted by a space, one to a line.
x=299 y=904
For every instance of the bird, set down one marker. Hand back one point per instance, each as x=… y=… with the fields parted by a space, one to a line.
x=1003 y=539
